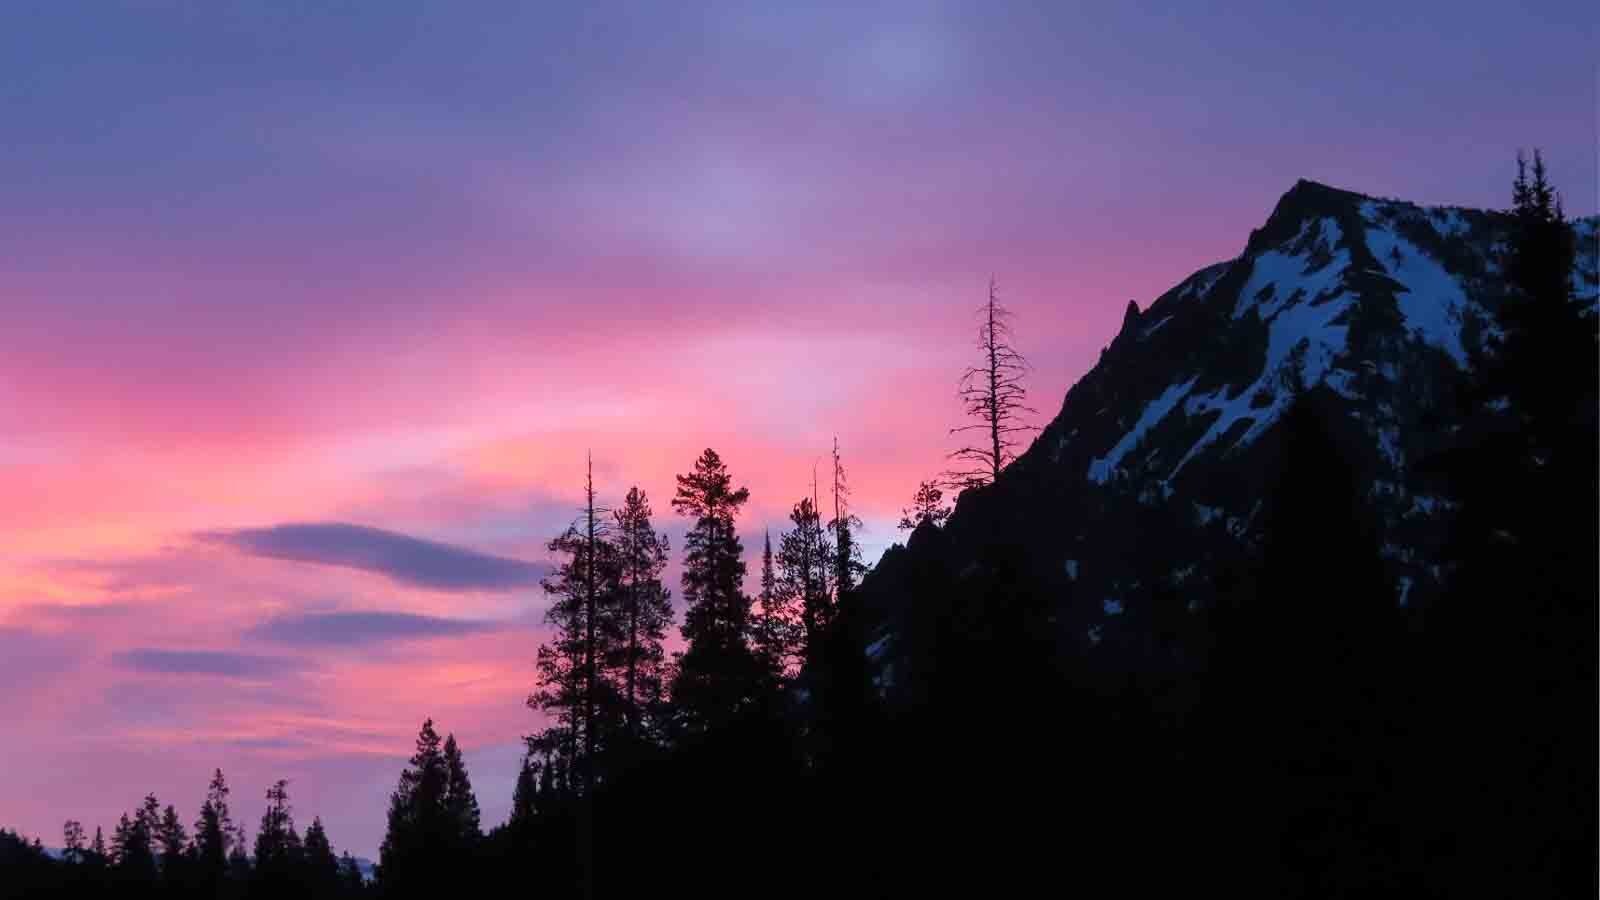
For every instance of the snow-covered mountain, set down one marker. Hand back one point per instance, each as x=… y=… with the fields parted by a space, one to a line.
x=1156 y=464
x=1378 y=299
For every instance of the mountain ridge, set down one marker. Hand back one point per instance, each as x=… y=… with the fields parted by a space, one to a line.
x=1383 y=305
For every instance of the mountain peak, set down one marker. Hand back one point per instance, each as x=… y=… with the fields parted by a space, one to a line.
x=1306 y=200
x=1130 y=316
x=1378 y=303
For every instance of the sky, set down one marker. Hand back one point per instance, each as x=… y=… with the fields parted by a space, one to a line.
x=313 y=310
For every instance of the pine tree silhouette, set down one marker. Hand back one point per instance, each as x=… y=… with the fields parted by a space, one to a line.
x=719 y=676
x=572 y=689
x=635 y=655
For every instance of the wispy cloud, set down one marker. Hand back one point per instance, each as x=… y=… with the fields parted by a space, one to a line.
x=204 y=662
x=409 y=560
x=353 y=628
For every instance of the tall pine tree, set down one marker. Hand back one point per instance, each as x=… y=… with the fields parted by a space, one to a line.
x=847 y=565
x=460 y=803
x=1525 y=476
x=418 y=832
x=805 y=564
x=719 y=676
x=777 y=638
x=174 y=845
x=583 y=596
x=644 y=611
x=277 y=855
x=321 y=867
x=213 y=830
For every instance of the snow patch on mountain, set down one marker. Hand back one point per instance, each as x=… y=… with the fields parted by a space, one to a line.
x=1431 y=299
x=1101 y=468
x=1303 y=342
x=1154 y=328
x=1279 y=279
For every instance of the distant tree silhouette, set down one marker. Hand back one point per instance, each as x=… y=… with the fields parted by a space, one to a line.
x=279 y=853
x=320 y=867
x=776 y=626
x=350 y=877
x=847 y=565
x=131 y=850
x=174 y=844
x=926 y=506
x=72 y=841
x=239 y=867
x=213 y=834
x=25 y=869
x=993 y=393
x=524 y=797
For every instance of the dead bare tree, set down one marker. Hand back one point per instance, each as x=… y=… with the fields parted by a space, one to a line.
x=992 y=392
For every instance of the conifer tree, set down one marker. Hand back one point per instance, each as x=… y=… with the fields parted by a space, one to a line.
x=174 y=843
x=238 y=855
x=645 y=611
x=350 y=875
x=149 y=820
x=460 y=803
x=277 y=842
x=72 y=841
x=97 y=847
x=419 y=830
x=131 y=846
x=719 y=676
x=133 y=841
x=805 y=562
x=1300 y=664
x=524 y=797
x=321 y=867
x=583 y=596
x=1541 y=323
x=847 y=565
x=769 y=578
x=121 y=836
x=1524 y=477
x=992 y=392
x=777 y=627
x=547 y=788
x=213 y=830
x=926 y=506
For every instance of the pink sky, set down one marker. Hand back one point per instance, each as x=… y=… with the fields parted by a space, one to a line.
x=403 y=271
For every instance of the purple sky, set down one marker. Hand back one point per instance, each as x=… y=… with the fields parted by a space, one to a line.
x=311 y=315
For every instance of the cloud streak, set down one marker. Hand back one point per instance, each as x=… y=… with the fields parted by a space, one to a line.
x=358 y=628
x=204 y=662
x=408 y=560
